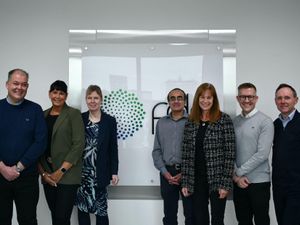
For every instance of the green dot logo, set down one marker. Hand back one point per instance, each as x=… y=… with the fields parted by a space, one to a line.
x=127 y=110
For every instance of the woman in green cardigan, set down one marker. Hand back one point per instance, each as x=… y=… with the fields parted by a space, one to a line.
x=60 y=166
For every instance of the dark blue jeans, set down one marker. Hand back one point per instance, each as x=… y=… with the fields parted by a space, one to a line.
x=252 y=203
x=170 y=194
x=24 y=191
x=60 y=200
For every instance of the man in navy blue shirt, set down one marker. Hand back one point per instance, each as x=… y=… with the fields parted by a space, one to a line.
x=286 y=156
x=22 y=140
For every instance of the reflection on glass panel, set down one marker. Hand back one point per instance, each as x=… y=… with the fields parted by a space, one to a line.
x=229 y=76
x=75 y=68
x=136 y=70
x=165 y=73
x=110 y=73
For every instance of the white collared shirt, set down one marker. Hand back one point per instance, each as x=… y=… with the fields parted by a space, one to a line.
x=250 y=114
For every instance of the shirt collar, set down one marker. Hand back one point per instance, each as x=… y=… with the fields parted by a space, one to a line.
x=250 y=114
x=288 y=118
x=185 y=115
x=9 y=101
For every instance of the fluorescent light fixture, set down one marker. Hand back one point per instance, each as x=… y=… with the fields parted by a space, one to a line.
x=229 y=51
x=222 y=31
x=152 y=32
x=75 y=50
x=178 y=44
x=82 y=31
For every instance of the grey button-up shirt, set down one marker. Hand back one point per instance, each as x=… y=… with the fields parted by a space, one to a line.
x=167 y=142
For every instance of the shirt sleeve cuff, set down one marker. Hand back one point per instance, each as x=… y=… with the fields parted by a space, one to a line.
x=239 y=172
x=163 y=170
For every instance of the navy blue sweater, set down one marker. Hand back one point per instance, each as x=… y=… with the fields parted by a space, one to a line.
x=22 y=134
x=286 y=153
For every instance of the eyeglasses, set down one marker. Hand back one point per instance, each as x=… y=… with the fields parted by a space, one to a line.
x=249 y=97
x=176 y=98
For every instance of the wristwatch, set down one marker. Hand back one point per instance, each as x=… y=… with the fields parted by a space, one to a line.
x=19 y=168
x=63 y=170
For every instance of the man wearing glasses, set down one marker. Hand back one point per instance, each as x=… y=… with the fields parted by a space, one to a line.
x=167 y=157
x=254 y=134
x=286 y=157
x=22 y=141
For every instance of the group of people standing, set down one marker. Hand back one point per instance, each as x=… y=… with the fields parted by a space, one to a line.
x=75 y=154
x=204 y=156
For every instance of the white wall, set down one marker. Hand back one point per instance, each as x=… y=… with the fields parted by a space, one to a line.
x=34 y=36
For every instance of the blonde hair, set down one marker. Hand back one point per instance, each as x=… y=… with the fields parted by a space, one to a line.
x=93 y=88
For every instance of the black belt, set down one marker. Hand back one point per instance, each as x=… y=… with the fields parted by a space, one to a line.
x=176 y=166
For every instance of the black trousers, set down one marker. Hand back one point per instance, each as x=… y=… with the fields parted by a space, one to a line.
x=252 y=203
x=24 y=191
x=201 y=198
x=287 y=204
x=84 y=219
x=60 y=200
x=170 y=194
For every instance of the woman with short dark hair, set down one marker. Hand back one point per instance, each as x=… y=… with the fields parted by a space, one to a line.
x=61 y=164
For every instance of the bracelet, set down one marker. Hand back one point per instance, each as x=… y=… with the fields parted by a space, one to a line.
x=43 y=174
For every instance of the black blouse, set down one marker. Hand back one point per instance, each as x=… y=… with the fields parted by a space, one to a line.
x=200 y=162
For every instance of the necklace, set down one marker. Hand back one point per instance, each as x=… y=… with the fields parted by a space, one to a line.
x=204 y=119
x=203 y=123
x=94 y=118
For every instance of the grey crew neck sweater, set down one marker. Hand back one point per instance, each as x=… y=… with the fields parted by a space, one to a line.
x=254 y=137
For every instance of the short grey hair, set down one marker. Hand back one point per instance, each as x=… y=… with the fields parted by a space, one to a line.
x=19 y=71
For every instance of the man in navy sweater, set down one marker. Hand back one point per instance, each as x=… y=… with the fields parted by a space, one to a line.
x=286 y=156
x=22 y=140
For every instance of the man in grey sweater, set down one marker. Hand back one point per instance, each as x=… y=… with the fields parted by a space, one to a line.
x=254 y=135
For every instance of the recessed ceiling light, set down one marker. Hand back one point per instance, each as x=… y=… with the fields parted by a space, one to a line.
x=178 y=44
x=75 y=50
x=229 y=50
x=83 y=31
x=222 y=31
